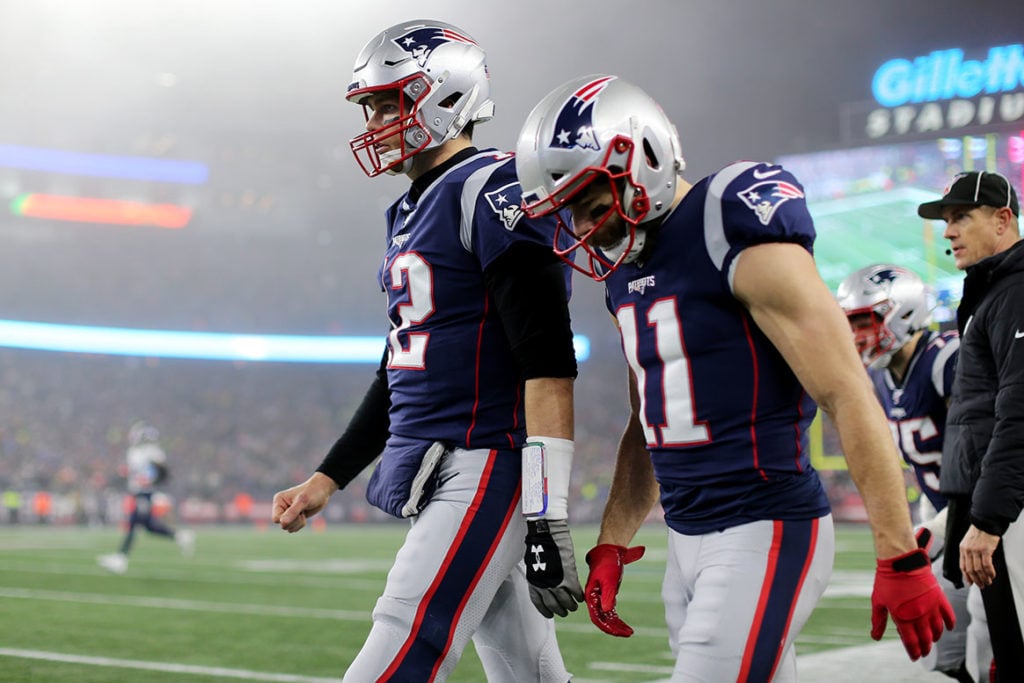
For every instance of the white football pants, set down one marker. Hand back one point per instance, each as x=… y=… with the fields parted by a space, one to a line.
x=460 y=575
x=736 y=599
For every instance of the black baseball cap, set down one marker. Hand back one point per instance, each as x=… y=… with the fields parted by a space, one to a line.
x=976 y=188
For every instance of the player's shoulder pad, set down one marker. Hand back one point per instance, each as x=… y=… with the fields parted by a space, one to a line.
x=503 y=170
x=759 y=202
x=942 y=351
x=942 y=346
x=948 y=342
x=760 y=186
x=493 y=189
x=945 y=340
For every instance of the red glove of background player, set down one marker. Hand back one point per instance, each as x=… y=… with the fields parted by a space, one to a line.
x=906 y=589
x=606 y=562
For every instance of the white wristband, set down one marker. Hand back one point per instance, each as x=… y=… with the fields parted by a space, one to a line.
x=547 y=467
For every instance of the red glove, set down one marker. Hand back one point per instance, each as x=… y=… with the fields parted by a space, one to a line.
x=906 y=589
x=606 y=562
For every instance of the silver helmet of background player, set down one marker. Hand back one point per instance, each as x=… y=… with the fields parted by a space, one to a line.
x=600 y=128
x=440 y=75
x=896 y=300
x=142 y=432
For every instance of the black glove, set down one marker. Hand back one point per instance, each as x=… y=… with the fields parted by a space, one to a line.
x=551 y=567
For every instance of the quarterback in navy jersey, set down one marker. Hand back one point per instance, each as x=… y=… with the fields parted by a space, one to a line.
x=732 y=340
x=439 y=244
x=478 y=371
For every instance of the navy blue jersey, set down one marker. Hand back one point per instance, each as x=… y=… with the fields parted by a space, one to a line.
x=451 y=374
x=724 y=416
x=916 y=408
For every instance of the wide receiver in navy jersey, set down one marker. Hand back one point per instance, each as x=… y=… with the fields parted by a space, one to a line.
x=912 y=369
x=731 y=339
x=478 y=369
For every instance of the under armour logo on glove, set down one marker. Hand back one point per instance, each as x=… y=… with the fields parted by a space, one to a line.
x=538 y=564
x=540 y=571
x=551 y=567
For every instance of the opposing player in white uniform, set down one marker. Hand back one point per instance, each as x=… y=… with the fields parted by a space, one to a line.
x=731 y=338
x=912 y=368
x=146 y=467
x=479 y=355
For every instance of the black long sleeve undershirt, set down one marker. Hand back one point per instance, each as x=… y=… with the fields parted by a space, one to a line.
x=366 y=434
x=527 y=283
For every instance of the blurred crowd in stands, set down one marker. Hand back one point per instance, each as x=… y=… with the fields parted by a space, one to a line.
x=234 y=434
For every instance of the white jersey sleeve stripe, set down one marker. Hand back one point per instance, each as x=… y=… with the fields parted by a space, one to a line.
x=714 y=229
x=470 y=193
x=939 y=366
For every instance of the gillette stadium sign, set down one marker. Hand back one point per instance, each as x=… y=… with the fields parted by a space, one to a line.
x=945 y=91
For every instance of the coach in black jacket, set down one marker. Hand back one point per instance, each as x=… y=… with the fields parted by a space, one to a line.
x=983 y=450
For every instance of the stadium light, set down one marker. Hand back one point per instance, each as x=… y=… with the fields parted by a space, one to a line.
x=103 y=165
x=202 y=345
x=94 y=210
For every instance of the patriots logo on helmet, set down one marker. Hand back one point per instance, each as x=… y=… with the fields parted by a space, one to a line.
x=882 y=276
x=574 y=126
x=505 y=202
x=420 y=42
x=767 y=196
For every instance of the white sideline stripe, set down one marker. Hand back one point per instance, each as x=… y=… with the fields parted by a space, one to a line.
x=39 y=544
x=163 y=666
x=194 y=605
x=301 y=581
x=885 y=661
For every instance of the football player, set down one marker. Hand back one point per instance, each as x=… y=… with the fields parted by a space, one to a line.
x=912 y=368
x=479 y=363
x=731 y=340
x=146 y=467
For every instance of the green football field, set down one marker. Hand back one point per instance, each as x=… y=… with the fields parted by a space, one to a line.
x=881 y=227
x=262 y=605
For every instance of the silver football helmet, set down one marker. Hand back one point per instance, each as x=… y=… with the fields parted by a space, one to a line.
x=142 y=432
x=896 y=301
x=599 y=128
x=440 y=75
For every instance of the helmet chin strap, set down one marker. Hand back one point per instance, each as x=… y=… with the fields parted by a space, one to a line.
x=885 y=358
x=882 y=361
x=614 y=252
x=387 y=158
